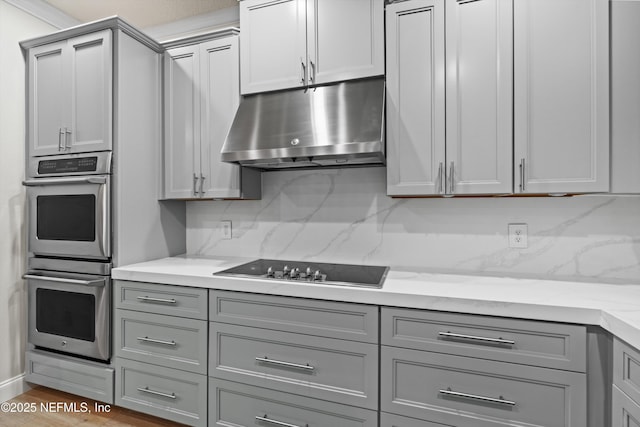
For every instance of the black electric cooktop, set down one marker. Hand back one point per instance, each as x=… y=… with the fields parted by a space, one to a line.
x=310 y=272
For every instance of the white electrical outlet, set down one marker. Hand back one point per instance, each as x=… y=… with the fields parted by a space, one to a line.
x=518 y=236
x=225 y=230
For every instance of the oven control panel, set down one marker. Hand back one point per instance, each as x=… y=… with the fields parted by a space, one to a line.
x=76 y=164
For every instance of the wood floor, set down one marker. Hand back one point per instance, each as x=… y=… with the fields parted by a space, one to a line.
x=46 y=398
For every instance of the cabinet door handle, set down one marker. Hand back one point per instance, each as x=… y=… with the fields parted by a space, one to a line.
x=155 y=341
x=157 y=393
x=476 y=338
x=522 y=176
x=276 y=422
x=312 y=73
x=60 y=133
x=202 y=178
x=451 y=179
x=499 y=401
x=303 y=79
x=195 y=184
x=306 y=367
x=160 y=300
x=67 y=139
x=440 y=178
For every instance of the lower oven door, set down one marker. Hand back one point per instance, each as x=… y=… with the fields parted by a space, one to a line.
x=70 y=312
x=70 y=216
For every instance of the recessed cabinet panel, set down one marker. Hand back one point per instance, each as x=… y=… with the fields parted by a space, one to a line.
x=273 y=44
x=344 y=39
x=415 y=98
x=624 y=411
x=182 y=121
x=91 y=92
x=221 y=97
x=47 y=91
x=479 y=96
x=561 y=62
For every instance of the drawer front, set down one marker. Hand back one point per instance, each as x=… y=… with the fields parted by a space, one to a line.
x=174 y=342
x=390 y=420
x=355 y=322
x=549 y=345
x=433 y=386
x=161 y=299
x=626 y=369
x=325 y=368
x=166 y=393
x=624 y=411
x=240 y=405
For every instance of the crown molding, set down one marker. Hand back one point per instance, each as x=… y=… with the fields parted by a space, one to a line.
x=45 y=12
x=199 y=24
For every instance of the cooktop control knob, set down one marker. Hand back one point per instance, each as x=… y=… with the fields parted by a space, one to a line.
x=317 y=276
x=270 y=272
x=294 y=272
x=285 y=270
x=308 y=273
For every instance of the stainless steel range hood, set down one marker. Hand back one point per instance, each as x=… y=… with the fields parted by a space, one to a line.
x=337 y=125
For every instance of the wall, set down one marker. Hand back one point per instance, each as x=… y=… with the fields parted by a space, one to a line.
x=345 y=216
x=15 y=25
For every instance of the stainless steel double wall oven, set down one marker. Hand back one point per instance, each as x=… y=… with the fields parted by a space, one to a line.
x=69 y=237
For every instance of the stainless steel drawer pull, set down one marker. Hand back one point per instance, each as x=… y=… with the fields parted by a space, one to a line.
x=306 y=367
x=499 y=401
x=60 y=134
x=276 y=422
x=155 y=341
x=160 y=300
x=157 y=393
x=475 y=338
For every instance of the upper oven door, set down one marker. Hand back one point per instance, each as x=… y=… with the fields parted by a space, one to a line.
x=70 y=216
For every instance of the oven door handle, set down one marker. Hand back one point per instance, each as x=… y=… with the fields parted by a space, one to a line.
x=95 y=282
x=62 y=181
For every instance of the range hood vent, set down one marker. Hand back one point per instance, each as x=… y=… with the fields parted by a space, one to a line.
x=330 y=126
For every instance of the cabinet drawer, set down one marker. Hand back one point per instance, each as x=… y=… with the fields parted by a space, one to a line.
x=626 y=369
x=325 y=368
x=355 y=322
x=434 y=386
x=624 y=411
x=550 y=345
x=161 y=299
x=390 y=420
x=174 y=342
x=166 y=393
x=240 y=405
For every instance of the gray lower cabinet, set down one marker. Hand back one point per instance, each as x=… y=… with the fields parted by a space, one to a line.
x=292 y=362
x=167 y=393
x=160 y=341
x=625 y=407
x=241 y=405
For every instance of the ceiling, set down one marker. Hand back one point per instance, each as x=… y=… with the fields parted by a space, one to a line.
x=140 y=13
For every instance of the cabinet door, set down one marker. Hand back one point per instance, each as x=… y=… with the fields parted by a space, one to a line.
x=345 y=39
x=561 y=95
x=182 y=122
x=415 y=98
x=47 y=99
x=220 y=88
x=89 y=128
x=479 y=96
x=273 y=45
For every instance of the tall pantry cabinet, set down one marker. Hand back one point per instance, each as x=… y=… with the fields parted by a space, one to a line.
x=526 y=97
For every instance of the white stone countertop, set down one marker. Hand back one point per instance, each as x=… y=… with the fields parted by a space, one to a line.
x=614 y=307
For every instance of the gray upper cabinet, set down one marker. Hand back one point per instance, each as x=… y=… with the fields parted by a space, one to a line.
x=70 y=95
x=201 y=96
x=479 y=97
x=297 y=43
x=415 y=98
x=561 y=99
x=476 y=156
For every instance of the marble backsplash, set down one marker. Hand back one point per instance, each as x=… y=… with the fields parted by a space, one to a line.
x=343 y=215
